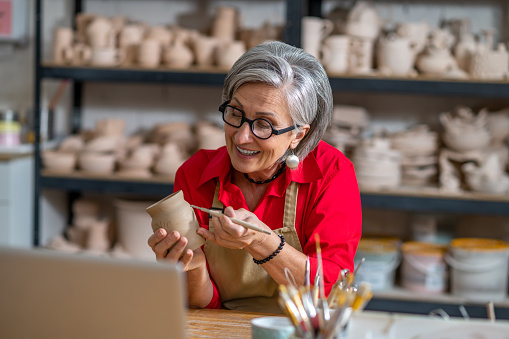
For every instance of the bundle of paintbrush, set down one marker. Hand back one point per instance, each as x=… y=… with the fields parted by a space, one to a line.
x=315 y=316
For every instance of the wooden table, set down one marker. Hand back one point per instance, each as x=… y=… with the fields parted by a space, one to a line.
x=205 y=323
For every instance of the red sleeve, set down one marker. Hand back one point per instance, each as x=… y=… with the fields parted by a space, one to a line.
x=337 y=217
x=185 y=178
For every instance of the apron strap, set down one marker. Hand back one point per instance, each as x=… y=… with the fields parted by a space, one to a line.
x=292 y=192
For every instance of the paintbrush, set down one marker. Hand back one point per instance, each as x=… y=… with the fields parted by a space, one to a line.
x=234 y=220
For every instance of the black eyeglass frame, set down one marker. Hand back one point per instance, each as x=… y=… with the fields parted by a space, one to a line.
x=222 y=109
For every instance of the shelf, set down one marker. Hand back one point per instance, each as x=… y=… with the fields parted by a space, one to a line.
x=105 y=184
x=400 y=300
x=434 y=200
x=423 y=200
x=215 y=77
x=192 y=76
x=421 y=85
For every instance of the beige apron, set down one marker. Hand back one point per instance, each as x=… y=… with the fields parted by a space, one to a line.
x=242 y=284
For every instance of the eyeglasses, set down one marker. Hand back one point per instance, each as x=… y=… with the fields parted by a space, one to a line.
x=261 y=128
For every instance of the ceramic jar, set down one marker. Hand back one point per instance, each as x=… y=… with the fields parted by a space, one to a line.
x=314 y=30
x=225 y=24
x=363 y=21
x=178 y=55
x=129 y=38
x=149 y=53
x=206 y=50
x=62 y=41
x=100 y=33
x=395 y=56
x=436 y=62
x=229 y=52
x=335 y=51
x=173 y=213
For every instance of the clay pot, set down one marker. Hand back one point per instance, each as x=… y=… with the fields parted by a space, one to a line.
x=100 y=33
x=62 y=41
x=149 y=53
x=335 y=51
x=178 y=55
x=97 y=237
x=225 y=24
x=314 y=30
x=229 y=53
x=103 y=144
x=59 y=161
x=93 y=162
x=161 y=34
x=395 y=56
x=498 y=124
x=173 y=213
x=205 y=50
x=110 y=127
x=436 y=62
x=363 y=21
x=107 y=57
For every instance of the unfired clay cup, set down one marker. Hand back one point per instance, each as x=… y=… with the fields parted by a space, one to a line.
x=173 y=213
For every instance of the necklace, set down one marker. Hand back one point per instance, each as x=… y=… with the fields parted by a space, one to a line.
x=278 y=173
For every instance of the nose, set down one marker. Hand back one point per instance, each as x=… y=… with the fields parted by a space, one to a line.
x=244 y=134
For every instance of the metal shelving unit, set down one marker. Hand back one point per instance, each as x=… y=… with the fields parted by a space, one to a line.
x=374 y=199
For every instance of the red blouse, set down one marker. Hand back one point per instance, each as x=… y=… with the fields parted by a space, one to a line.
x=328 y=203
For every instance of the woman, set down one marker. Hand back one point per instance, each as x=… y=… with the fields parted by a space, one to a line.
x=277 y=105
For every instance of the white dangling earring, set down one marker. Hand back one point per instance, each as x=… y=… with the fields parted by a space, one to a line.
x=292 y=161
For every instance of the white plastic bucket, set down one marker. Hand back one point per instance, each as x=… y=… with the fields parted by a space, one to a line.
x=133 y=228
x=423 y=268
x=479 y=268
x=382 y=259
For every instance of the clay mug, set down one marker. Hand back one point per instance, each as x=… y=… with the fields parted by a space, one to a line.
x=335 y=53
x=107 y=57
x=173 y=213
x=314 y=30
x=62 y=39
x=149 y=53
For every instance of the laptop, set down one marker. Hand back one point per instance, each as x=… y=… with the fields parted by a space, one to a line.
x=49 y=294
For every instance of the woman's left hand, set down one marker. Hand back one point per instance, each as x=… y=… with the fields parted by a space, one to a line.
x=228 y=234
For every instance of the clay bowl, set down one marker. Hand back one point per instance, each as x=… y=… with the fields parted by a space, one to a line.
x=59 y=161
x=103 y=144
x=100 y=163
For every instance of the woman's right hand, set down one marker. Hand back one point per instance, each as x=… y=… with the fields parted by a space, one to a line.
x=170 y=247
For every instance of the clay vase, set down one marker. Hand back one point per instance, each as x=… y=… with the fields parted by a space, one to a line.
x=225 y=23
x=173 y=213
x=178 y=55
x=395 y=56
x=335 y=50
x=229 y=53
x=314 y=30
x=62 y=41
x=205 y=48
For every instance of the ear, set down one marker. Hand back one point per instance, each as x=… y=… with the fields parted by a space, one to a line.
x=299 y=136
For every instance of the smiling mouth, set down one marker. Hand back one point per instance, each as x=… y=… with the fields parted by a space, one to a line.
x=244 y=152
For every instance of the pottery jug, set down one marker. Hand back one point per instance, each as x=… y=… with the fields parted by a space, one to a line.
x=314 y=30
x=173 y=213
x=229 y=52
x=395 y=56
x=178 y=55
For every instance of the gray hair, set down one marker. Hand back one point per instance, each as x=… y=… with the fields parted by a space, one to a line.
x=302 y=80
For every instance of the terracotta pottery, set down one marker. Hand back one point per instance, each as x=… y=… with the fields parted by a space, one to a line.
x=103 y=144
x=335 y=53
x=314 y=30
x=59 y=161
x=99 y=163
x=205 y=50
x=178 y=55
x=129 y=39
x=85 y=207
x=229 y=53
x=62 y=40
x=225 y=23
x=107 y=57
x=395 y=56
x=78 y=54
x=173 y=213
x=110 y=127
x=100 y=33
x=161 y=34
x=97 y=237
x=149 y=53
